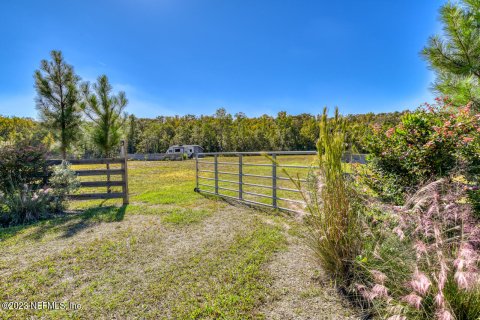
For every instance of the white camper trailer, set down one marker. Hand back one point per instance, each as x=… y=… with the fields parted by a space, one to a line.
x=189 y=149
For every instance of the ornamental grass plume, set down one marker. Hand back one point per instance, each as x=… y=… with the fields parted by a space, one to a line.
x=330 y=200
x=423 y=258
x=444 y=314
x=413 y=300
x=420 y=283
x=378 y=276
x=446 y=239
x=466 y=267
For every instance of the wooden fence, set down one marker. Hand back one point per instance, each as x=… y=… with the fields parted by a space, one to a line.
x=108 y=172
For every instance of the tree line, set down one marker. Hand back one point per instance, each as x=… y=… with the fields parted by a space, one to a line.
x=221 y=131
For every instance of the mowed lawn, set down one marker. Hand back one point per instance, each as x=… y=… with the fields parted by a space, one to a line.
x=170 y=254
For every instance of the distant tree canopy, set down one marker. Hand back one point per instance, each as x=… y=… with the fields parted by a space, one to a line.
x=224 y=132
x=455 y=57
x=218 y=132
x=15 y=129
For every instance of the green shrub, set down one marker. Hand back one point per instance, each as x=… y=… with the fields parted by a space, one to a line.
x=426 y=145
x=25 y=194
x=21 y=163
x=473 y=195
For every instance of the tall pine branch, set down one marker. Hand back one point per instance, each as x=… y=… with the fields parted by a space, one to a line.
x=455 y=57
x=106 y=111
x=58 y=100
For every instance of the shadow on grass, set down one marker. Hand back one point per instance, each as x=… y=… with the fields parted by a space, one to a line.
x=9 y=232
x=93 y=216
x=68 y=225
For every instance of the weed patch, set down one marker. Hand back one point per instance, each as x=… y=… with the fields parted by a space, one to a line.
x=185 y=216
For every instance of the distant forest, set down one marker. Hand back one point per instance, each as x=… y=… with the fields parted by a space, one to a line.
x=219 y=132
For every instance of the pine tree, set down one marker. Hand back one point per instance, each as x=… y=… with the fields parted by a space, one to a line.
x=58 y=100
x=133 y=134
x=456 y=57
x=106 y=110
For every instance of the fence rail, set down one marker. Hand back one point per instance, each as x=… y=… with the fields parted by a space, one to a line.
x=107 y=173
x=215 y=175
x=155 y=156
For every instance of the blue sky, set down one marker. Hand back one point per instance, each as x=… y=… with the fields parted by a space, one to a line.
x=194 y=56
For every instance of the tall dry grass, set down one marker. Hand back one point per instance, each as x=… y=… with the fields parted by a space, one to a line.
x=333 y=214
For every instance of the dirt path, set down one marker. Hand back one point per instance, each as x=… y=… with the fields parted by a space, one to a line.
x=303 y=290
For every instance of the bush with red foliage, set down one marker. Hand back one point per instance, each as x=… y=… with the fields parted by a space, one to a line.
x=21 y=163
x=427 y=144
x=22 y=197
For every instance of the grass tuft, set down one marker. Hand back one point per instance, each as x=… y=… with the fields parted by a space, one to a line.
x=333 y=222
x=185 y=216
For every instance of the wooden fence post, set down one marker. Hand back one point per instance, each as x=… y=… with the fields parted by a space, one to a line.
x=109 y=190
x=126 y=198
x=45 y=174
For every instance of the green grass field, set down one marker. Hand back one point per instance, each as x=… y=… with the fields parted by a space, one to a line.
x=170 y=254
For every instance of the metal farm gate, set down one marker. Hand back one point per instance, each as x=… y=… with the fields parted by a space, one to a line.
x=253 y=178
